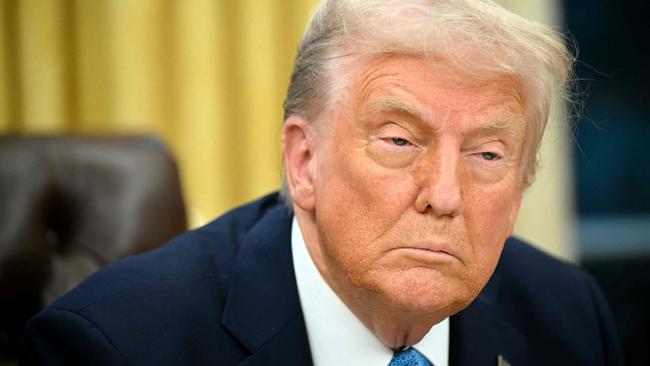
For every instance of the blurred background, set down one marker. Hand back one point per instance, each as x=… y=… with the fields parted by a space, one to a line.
x=206 y=79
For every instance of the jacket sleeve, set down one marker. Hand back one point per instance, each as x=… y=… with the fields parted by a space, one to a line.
x=60 y=337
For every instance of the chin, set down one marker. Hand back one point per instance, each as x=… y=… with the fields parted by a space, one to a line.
x=436 y=296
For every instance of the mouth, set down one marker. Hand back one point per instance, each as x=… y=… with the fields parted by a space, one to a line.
x=429 y=251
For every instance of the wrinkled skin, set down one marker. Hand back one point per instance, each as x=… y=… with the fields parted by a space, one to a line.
x=407 y=190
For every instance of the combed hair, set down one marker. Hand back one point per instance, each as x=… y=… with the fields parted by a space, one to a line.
x=499 y=43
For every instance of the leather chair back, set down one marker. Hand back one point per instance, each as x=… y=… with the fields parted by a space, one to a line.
x=71 y=204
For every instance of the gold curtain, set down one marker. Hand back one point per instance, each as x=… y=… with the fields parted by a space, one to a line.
x=207 y=76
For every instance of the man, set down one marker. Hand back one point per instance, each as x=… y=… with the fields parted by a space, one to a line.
x=410 y=134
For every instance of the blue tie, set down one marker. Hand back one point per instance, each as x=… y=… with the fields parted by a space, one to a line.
x=409 y=357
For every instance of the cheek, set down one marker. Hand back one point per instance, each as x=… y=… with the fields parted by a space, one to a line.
x=487 y=214
x=357 y=202
x=358 y=189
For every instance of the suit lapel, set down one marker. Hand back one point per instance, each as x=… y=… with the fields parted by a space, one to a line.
x=288 y=347
x=478 y=335
x=263 y=309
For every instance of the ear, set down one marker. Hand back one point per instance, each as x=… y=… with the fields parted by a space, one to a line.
x=298 y=147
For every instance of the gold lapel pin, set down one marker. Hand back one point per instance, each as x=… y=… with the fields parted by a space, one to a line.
x=501 y=361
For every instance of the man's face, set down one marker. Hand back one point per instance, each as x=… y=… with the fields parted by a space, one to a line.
x=417 y=185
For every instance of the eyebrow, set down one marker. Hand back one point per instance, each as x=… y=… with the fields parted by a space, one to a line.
x=515 y=127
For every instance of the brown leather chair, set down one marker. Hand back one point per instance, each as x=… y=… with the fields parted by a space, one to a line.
x=68 y=206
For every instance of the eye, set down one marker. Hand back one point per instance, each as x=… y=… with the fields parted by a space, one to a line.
x=489 y=156
x=399 y=141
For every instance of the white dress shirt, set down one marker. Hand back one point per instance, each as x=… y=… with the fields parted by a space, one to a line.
x=336 y=336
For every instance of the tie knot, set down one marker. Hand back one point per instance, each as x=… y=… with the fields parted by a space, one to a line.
x=409 y=357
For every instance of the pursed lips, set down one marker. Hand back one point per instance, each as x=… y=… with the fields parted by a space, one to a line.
x=429 y=247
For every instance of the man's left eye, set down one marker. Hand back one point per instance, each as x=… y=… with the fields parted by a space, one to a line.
x=399 y=141
x=489 y=156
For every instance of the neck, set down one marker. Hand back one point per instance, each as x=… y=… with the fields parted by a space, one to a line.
x=395 y=330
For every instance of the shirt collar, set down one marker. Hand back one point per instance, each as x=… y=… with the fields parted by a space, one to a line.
x=336 y=336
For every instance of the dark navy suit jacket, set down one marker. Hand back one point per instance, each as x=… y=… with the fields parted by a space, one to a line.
x=226 y=294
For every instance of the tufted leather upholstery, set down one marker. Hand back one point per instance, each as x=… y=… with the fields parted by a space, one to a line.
x=71 y=204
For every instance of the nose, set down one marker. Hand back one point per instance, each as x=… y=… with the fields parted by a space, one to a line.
x=437 y=176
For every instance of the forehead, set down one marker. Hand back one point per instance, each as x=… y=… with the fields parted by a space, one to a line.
x=434 y=92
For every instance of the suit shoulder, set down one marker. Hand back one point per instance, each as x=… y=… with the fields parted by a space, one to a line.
x=557 y=299
x=529 y=272
x=521 y=257
x=152 y=308
x=205 y=254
